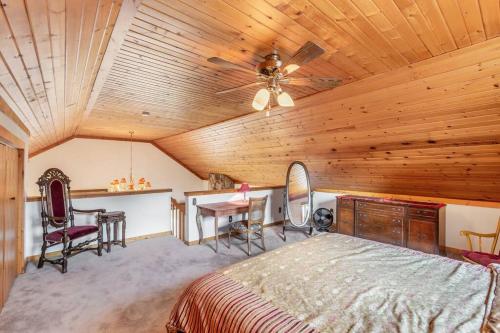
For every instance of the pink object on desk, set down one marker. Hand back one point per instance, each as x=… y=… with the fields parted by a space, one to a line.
x=244 y=188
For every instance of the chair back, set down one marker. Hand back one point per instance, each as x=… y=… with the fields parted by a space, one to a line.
x=257 y=211
x=495 y=239
x=55 y=198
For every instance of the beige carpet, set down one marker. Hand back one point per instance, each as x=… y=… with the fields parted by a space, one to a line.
x=127 y=290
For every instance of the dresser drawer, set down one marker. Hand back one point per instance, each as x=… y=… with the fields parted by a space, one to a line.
x=345 y=224
x=380 y=208
x=346 y=203
x=422 y=212
x=380 y=227
x=423 y=235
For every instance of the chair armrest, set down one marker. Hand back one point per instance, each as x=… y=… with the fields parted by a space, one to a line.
x=89 y=211
x=57 y=219
x=472 y=233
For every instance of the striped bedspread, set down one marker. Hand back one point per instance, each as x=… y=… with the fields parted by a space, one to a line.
x=215 y=303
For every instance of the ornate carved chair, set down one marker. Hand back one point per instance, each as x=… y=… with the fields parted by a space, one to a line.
x=480 y=257
x=58 y=214
x=254 y=224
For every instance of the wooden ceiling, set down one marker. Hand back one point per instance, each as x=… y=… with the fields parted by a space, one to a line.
x=161 y=67
x=430 y=129
x=91 y=67
x=50 y=53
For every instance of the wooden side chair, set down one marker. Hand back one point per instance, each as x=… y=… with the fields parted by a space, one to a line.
x=480 y=257
x=255 y=223
x=58 y=214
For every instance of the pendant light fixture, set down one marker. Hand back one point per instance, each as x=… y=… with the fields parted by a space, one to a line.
x=261 y=99
x=131 y=177
x=284 y=99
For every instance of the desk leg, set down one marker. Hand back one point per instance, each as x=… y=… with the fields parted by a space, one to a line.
x=124 y=226
x=199 y=219
x=108 y=234
x=216 y=234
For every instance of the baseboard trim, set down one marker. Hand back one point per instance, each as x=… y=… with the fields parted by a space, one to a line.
x=453 y=250
x=224 y=234
x=35 y=257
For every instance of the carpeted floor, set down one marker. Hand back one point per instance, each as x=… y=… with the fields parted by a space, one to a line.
x=127 y=290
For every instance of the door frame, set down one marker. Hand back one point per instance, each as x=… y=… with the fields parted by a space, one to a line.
x=12 y=140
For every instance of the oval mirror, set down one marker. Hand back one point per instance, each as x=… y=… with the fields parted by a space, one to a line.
x=298 y=194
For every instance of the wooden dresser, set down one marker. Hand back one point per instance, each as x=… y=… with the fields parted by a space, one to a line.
x=416 y=225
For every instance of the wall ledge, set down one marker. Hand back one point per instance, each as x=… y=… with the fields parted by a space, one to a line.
x=231 y=190
x=81 y=194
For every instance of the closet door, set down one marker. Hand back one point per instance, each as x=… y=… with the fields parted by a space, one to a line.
x=10 y=222
x=3 y=192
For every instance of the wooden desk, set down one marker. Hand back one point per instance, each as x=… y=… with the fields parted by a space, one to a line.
x=217 y=210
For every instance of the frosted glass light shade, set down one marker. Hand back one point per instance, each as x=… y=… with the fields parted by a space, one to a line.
x=291 y=68
x=284 y=99
x=261 y=99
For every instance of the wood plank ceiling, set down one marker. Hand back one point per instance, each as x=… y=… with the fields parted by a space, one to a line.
x=50 y=53
x=161 y=67
x=430 y=129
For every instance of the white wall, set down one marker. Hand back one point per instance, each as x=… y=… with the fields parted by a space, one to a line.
x=94 y=163
x=146 y=214
x=274 y=203
x=458 y=217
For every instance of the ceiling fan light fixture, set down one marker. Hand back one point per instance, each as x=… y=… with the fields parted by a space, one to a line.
x=261 y=99
x=291 y=68
x=284 y=99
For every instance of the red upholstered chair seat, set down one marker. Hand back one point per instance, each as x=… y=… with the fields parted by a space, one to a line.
x=73 y=232
x=482 y=258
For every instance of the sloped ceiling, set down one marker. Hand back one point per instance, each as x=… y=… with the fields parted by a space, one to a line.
x=61 y=74
x=50 y=53
x=162 y=69
x=91 y=67
x=430 y=129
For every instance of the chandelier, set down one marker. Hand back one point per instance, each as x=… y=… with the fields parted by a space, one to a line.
x=122 y=185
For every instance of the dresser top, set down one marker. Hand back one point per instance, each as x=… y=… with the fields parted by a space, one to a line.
x=419 y=204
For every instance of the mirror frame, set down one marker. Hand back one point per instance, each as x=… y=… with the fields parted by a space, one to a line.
x=286 y=201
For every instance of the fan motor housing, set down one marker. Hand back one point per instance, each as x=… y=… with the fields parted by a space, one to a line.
x=270 y=65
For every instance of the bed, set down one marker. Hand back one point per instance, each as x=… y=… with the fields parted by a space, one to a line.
x=339 y=283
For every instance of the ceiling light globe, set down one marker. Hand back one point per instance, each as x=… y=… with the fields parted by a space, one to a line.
x=261 y=99
x=284 y=99
x=291 y=68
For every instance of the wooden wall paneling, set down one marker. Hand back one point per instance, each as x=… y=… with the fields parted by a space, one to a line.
x=433 y=122
x=20 y=200
x=11 y=221
x=3 y=206
x=5 y=109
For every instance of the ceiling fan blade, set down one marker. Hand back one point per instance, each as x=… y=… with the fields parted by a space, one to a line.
x=320 y=82
x=309 y=51
x=253 y=84
x=229 y=65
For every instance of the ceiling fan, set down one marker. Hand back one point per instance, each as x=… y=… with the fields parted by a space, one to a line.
x=272 y=73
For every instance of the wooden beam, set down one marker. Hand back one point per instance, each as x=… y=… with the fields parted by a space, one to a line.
x=127 y=13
